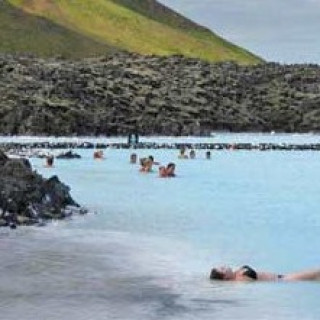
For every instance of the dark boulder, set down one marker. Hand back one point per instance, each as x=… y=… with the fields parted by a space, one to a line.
x=28 y=198
x=3 y=158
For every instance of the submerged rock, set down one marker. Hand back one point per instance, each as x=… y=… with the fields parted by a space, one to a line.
x=27 y=198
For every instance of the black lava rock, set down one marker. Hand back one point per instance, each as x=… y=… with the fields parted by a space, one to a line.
x=28 y=198
x=124 y=93
x=68 y=155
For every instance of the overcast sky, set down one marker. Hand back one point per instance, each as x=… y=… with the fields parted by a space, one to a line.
x=286 y=31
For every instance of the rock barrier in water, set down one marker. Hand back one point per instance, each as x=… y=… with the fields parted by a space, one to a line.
x=26 y=198
x=25 y=148
x=68 y=155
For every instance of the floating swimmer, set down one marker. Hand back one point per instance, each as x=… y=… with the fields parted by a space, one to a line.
x=246 y=273
x=208 y=155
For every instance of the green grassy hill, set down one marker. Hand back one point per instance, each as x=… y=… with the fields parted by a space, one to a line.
x=86 y=27
x=22 y=32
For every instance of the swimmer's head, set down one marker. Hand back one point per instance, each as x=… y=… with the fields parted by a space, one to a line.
x=215 y=274
x=171 y=165
x=222 y=273
x=133 y=158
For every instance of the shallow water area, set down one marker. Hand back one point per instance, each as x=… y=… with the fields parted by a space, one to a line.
x=147 y=251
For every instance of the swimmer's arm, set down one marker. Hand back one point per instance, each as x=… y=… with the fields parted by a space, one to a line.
x=303 y=276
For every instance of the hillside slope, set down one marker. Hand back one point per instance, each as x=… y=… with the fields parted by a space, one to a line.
x=145 y=27
x=23 y=32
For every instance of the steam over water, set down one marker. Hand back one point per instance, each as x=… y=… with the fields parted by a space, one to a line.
x=147 y=251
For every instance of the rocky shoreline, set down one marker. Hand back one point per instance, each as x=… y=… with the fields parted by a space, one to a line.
x=42 y=149
x=125 y=93
x=26 y=198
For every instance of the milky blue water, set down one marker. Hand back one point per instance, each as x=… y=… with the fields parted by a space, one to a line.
x=146 y=251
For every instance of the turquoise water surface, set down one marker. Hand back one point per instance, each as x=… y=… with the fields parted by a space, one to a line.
x=146 y=249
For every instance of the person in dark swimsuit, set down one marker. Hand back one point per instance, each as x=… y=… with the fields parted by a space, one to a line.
x=246 y=273
x=249 y=272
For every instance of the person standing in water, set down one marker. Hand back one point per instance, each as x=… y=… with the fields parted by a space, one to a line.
x=49 y=161
x=192 y=154
x=147 y=163
x=167 y=172
x=182 y=154
x=98 y=155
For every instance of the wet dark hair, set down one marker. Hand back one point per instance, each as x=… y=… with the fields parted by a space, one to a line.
x=216 y=275
x=151 y=158
x=171 y=164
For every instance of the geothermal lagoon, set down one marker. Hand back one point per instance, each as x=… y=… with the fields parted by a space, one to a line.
x=146 y=248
